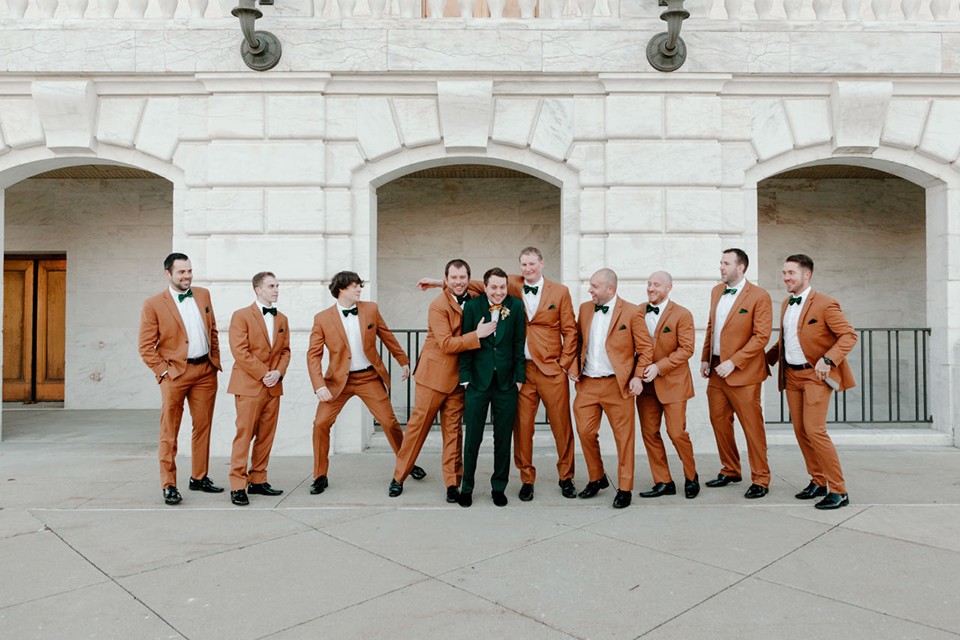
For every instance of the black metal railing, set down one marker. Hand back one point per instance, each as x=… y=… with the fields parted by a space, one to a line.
x=890 y=367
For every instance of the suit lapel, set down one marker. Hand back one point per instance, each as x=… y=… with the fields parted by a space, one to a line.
x=586 y=320
x=172 y=309
x=261 y=321
x=544 y=297
x=667 y=310
x=615 y=318
x=335 y=313
x=501 y=324
x=363 y=317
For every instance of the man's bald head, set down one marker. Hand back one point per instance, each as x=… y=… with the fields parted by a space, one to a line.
x=603 y=286
x=659 y=285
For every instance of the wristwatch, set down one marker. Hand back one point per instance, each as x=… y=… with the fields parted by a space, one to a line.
x=828 y=361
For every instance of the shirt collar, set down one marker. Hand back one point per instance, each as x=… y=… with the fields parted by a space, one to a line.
x=803 y=294
x=538 y=284
x=342 y=309
x=739 y=285
x=662 y=304
x=260 y=305
x=610 y=304
x=176 y=294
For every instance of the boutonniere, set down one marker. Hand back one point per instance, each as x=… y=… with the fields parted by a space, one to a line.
x=553 y=306
x=622 y=327
x=369 y=326
x=208 y=309
x=666 y=329
x=812 y=321
x=743 y=311
x=504 y=313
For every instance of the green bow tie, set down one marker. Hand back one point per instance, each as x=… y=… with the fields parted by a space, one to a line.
x=797 y=300
x=726 y=291
x=188 y=294
x=600 y=308
x=267 y=310
x=650 y=308
x=532 y=290
x=347 y=312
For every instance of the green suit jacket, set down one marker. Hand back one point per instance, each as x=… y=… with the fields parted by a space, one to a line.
x=502 y=351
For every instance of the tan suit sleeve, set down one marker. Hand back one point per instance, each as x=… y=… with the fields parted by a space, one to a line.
x=762 y=328
x=773 y=353
x=390 y=341
x=846 y=334
x=643 y=345
x=239 y=335
x=315 y=355
x=285 y=352
x=686 y=336
x=570 y=333
x=148 y=338
x=450 y=344
x=707 y=354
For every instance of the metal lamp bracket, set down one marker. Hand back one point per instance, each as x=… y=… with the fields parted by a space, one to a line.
x=260 y=50
x=667 y=51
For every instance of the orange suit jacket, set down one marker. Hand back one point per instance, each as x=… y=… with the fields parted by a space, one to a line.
x=328 y=332
x=438 y=366
x=252 y=354
x=674 y=342
x=823 y=330
x=554 y=318
x=628 y=343
x=163 y=338
x=744 y=335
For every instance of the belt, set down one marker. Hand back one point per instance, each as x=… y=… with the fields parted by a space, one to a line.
x=199 y=360
x=799 y=367
x=612 y=375
x=370 y=368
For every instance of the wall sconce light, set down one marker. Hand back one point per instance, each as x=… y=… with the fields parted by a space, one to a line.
x=667 y=51
x=260 y=50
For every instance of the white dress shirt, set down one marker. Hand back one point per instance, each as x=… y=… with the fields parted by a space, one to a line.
x=653 y=319
x=351 y=325
x=792 y=352
x=598 y=362
x=193 y=322
x=531 y=302
x=723 y=310
x=268 y=318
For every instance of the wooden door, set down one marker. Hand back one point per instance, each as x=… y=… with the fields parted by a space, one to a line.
x=18 y=330
x=34 y=328
x=51 y=329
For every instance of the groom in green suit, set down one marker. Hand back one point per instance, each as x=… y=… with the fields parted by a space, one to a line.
x=492 y=375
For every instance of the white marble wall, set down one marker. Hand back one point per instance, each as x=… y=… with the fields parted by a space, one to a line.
x=115 y=234
x=425 y=222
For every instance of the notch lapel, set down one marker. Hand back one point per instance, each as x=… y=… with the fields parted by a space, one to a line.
x=258 y=312
x=615 y=317
x=172 y=309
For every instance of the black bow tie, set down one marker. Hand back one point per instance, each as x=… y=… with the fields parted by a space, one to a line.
x=182 y=296
x=726 y=291
x=463 y=298
x=654 y=309
x=347 y=312
x=601 y=308
x=797 y=300
x=267 y=310
x=528 y=289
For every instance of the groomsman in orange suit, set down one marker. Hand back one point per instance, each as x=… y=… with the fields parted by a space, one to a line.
x=349 y=331
x=615 y=350
x=667 y=387
x=738 y=330
x=815 y=339
x=178 y=341
x=437 y=375
x=550 y=351
x=260 y=344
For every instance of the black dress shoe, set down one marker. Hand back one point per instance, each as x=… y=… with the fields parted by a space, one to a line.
x=622 y=500
x=833 y=501
x=396 y=488
x=526 y=492
x=239 y=498
x=660 y=489
x=171 y=495
x=593 y=488
x=722 y=480
x=206 y=485
x=263 y=489
x=812 y=491
x=691 y=488
x=319 y=485
x=466 y=499
x=756 y=491
x=499 y=498
x=567 y=489
x=453 y=494
x=417 y=473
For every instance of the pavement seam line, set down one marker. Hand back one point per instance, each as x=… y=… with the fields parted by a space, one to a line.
x=750 y=575
x=127 y=591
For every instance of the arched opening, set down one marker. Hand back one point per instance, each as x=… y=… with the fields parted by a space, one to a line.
x=481 y=213
x=866 y=230
x=83 y=245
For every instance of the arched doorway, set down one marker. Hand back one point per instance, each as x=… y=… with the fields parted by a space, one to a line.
x=869 y=225
x=82 y=248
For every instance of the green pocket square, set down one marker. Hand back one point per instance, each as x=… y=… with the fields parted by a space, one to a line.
x=280 y=331
x=666 y=329
x=743 y=311
x=369 y=326
x=622 y=327
x=208 y=309
x=812 y=321
x=553 y=306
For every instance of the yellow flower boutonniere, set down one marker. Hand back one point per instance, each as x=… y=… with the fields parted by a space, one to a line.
x=504 y=313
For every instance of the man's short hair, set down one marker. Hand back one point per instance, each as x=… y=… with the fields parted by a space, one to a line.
x=802 y=259
x=173 y=257
x=343 y=280
x=741 y=256
x=531 y=251
x=496 y=271
x=457 y=263
x=260 y=277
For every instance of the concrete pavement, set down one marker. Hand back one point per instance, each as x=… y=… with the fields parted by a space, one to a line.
x=89 y=550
